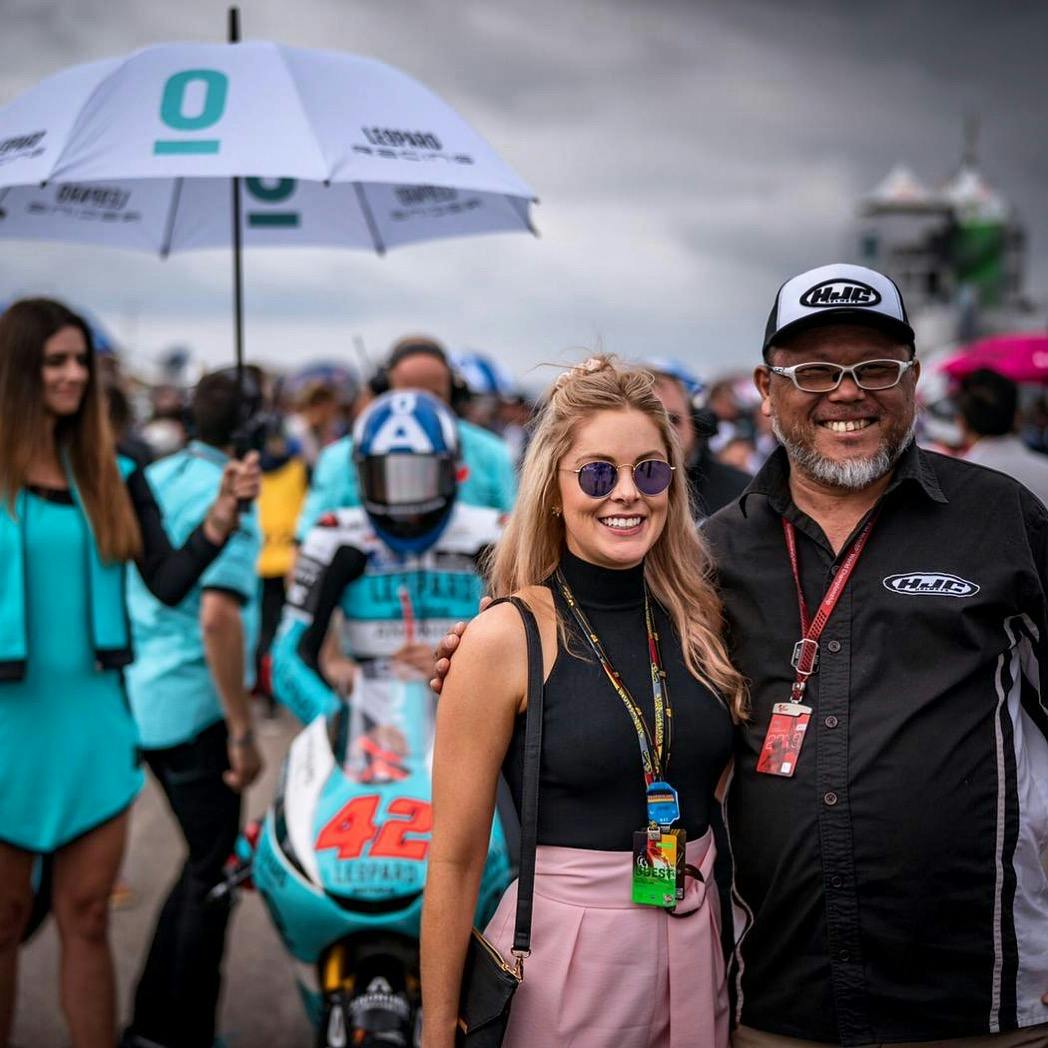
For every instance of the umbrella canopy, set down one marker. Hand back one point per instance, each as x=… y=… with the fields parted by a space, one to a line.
x=165 y=215
x=337 y=149
x=1022 y=357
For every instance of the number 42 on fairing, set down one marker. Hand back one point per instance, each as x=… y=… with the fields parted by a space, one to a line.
x=354 y=826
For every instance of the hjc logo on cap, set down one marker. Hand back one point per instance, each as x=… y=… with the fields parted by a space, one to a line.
x=932 y=584
x=840 y=293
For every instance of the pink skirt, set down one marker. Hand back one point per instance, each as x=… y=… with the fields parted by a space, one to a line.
x=605 y=973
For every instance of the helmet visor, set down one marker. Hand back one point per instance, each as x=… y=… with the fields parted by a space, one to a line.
x=406 y=483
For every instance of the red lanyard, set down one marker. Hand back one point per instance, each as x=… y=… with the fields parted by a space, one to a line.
x=654 y=746
x=806 y=650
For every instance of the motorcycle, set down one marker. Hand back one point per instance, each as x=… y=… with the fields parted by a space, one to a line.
x=340 y=860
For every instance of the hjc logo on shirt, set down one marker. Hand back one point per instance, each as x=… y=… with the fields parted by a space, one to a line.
x=934 y=584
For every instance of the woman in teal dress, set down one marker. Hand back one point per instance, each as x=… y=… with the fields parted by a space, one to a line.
x=72 y=515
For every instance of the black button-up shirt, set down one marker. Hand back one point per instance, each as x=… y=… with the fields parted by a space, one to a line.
x=893 y=888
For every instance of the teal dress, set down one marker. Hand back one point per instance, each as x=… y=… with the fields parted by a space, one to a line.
x=68 y=743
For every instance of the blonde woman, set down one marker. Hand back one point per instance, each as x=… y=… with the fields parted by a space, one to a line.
x=640 y=700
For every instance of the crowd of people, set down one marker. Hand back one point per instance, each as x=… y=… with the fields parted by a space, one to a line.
x=781 y=642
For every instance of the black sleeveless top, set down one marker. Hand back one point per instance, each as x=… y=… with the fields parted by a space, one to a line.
x=591 y=790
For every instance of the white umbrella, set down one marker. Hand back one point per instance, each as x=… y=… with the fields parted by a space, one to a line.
x=332 y=148
x=165 y=215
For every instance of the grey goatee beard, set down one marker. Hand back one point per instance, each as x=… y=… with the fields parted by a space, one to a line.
x=851 y=474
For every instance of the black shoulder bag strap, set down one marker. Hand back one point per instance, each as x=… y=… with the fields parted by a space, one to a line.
x=529 y=805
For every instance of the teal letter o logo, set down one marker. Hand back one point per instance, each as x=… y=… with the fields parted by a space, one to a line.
x=172 y=110
x=272 y=194
x=172 y=105
x=278 y=190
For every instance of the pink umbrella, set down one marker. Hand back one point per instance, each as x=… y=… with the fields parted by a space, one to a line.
x=1022 y=356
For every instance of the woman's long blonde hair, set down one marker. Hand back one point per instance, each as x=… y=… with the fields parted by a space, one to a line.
x=678 y=566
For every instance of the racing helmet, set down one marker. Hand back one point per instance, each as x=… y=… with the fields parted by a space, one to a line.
x=406 y=449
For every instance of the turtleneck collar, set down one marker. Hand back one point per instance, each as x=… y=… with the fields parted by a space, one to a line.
x=597 y=587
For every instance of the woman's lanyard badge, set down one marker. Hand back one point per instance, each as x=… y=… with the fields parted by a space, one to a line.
x=659 y=848
x=789 y=720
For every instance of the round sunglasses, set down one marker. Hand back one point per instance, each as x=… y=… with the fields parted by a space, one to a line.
x=598 y=478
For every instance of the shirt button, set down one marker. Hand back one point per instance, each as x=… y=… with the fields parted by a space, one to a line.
x=844 y=956
x=835 y=569
x=831 y=721
x=833 y=646
x=836 y=881
x=830 y=799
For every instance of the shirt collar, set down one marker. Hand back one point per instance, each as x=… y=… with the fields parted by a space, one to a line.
x=198 y=449
x=914 y=468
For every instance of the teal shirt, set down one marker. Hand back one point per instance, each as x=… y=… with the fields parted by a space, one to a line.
x=490 y=478
x=173 y=697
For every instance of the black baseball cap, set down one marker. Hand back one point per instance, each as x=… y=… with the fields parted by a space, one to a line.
x=838 y=294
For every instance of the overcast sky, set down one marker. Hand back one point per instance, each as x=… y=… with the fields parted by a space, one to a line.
x=689 y=157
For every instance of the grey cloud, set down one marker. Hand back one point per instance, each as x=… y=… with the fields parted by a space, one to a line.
x=689 y=157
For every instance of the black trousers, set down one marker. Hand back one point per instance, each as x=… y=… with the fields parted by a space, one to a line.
x=177 y=995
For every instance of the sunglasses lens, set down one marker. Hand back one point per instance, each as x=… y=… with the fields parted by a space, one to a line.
x=597 y=479
x=652 y=477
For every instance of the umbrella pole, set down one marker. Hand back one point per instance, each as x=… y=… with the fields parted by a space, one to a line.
x=238 y=271
x=238 y=286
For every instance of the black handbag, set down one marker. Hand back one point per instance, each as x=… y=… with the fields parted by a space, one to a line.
x=488 y=981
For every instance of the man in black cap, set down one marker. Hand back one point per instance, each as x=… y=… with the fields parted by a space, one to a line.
x=888 y=806
x=888 y=606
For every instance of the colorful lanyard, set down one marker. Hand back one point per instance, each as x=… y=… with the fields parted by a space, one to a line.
x=806 y=650
x=655 y=754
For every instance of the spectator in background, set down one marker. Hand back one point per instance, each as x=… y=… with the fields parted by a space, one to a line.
x=417 y=362
x=723 y=400
x=711 y=484
x=189 y=690
x=987 y=404
x=122 y=423
x=166 y=431
x=515 y=413
x=738 y=450
x=312 y=422
x=1035 y=426
x=285 y=482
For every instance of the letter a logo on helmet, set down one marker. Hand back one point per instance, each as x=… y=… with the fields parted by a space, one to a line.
x=401 y=430
x=406 y=422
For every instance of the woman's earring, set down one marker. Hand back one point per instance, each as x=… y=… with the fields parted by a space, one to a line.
x=555 y=511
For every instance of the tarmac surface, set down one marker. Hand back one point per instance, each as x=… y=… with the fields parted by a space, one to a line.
x=260 y=1005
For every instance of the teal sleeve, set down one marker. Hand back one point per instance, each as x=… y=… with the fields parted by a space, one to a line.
x=324 y=568
x=295 y=683
x=334 y=486
x=504 y=479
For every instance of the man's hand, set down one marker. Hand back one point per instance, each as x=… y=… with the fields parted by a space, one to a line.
x=240 y=480
x=245 y=762
x=446 y=648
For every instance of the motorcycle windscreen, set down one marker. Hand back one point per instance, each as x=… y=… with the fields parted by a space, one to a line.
x=384 y=733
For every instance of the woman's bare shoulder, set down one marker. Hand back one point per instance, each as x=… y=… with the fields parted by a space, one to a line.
x=499 y=631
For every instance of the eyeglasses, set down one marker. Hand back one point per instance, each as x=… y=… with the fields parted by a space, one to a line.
x=825 y=377
x=598 y=479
